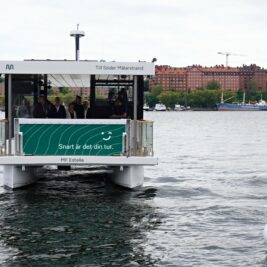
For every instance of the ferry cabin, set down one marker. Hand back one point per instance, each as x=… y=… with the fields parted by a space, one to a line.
x=125 y=145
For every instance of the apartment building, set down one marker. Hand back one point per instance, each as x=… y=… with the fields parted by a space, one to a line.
x=170 y=78
x=196 y=76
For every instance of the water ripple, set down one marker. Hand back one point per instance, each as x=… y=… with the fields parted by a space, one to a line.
x=204 y=205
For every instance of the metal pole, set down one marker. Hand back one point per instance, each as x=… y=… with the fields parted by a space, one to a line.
x=9 y=112
x=222 y=97
x=135 y=116
x=77 y=47
x=77 y=34
x=135 y=98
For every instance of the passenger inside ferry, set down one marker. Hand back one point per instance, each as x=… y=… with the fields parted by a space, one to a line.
x=86 y=110
x=59 y=109
x=71 y=113
x=50 y=112
x=124 y=97
x=78 y=107
x=23 y=111
x=119 y=108
x=111 y=96
x=40 y=110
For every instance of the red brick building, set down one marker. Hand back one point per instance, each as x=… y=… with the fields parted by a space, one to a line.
x=194 y=77
x=228 y=78
x=170 y=78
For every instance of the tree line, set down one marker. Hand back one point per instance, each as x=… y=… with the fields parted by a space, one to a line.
x=201 y=98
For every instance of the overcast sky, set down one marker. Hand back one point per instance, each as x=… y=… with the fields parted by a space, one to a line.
x=176 y=32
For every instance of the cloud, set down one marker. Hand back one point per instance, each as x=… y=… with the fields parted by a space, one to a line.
x=179 y=33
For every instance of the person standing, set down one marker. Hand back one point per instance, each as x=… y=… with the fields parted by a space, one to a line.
x=23 y=110
x=40 y=110
x=86 y=109
x=124 y=97
x=78 y=107
x=118 y=109
x=51 y=110
x=71 y=113
x=59 y=109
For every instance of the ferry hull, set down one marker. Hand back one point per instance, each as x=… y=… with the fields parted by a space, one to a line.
x=128 y=176
x=19 y=171
x=17 y=177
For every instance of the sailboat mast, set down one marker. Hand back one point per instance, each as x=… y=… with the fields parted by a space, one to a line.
x=244 y=98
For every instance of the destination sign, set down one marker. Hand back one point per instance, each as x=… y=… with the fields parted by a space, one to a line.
x=76 y=67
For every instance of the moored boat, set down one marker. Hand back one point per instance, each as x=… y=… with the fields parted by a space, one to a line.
x=259 y=106
x=146 y=107
x=178 y=107
x=160 y=107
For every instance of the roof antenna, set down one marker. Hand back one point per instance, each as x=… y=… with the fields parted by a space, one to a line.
x=77 y=34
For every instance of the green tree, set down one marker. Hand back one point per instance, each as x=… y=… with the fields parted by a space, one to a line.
x=239 y=96
x=213 y=85
x=64 y=90
x=50 y=90
x=229 y=96
x=146 y=85
x=251 y=94
x=67 y=98
x=151 y=99
x=157 y=89
x=204 y=98
x=169 y=99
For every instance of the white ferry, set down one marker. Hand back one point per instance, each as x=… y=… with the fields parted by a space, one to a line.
x=125 y=145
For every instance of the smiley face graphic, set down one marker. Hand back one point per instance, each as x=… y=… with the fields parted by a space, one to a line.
x=106 y=135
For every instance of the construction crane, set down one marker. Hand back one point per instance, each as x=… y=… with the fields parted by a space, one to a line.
x=227 y=54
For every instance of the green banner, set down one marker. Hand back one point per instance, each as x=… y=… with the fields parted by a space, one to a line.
x=72 y=139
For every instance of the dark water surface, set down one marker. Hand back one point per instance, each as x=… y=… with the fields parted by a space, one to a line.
x=204 y=205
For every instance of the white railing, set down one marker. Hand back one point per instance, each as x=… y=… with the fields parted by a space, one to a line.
x=137 y=140
x=140 y=140
x=3 y=127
